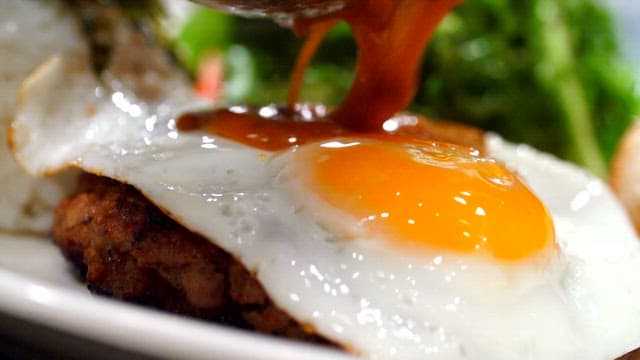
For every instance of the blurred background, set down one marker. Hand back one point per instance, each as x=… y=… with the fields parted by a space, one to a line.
x=560 y=75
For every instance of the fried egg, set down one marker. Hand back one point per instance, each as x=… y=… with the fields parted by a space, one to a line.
x=391 y=249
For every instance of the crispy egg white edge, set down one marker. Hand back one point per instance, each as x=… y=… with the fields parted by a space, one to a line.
x=30 y=32
x=333 y=285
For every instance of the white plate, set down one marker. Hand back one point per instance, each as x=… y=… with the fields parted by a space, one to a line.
x=38 y=286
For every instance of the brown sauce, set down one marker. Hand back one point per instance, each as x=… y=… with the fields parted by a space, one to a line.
x=268 y=128
x=391 y=36
x=277 y=128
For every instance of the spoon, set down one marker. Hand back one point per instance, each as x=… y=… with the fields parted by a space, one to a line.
x=281 y=10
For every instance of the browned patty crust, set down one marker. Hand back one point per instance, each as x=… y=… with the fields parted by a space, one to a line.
x=127 y=248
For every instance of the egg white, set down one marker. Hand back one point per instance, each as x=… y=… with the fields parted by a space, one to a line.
x=30 y=32
x=376 y=300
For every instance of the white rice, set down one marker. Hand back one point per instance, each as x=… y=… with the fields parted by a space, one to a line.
x=30 y=32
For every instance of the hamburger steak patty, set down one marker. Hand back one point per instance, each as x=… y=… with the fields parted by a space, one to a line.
x=127 y=248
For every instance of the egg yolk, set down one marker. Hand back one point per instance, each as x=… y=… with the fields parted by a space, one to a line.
x=429 y=194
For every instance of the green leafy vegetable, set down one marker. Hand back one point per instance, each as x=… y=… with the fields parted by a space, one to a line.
x=207 y=30
x=544 y=72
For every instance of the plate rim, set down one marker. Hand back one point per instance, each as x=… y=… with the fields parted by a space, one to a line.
x=120 y=324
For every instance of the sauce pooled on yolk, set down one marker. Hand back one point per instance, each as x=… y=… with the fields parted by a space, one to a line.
x=429 y=194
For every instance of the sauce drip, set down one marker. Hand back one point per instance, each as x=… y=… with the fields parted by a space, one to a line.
x=316 y=35
x=391 y=36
